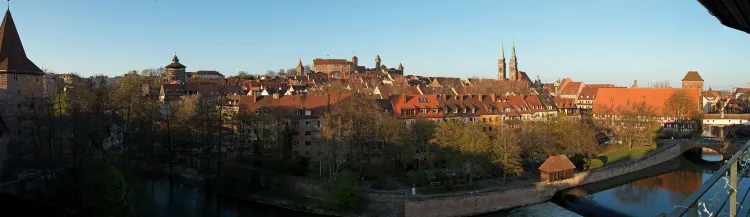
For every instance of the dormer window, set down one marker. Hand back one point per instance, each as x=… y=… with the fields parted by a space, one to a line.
x=455 y=110
x=424 y=111
x=434 y=111
x=473 y=110
x=464 y=111
x=489 y=109
x=424 y=100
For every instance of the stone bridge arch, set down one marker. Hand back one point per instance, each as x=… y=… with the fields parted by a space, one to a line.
x=726 y=149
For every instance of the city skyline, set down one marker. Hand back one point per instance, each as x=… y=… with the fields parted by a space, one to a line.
x=628 y=40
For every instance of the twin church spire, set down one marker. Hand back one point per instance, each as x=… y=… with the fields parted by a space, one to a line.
x=502 y=73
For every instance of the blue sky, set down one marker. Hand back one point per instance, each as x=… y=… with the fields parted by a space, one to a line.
x=612 y=41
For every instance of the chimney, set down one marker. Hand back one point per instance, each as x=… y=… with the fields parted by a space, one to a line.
x=276 y=96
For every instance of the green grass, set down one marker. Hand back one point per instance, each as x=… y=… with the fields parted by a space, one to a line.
x=620 y=155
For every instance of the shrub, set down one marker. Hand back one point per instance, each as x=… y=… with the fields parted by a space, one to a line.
x=342 y=198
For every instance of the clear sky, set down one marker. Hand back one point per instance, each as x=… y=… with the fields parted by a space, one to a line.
x=596 y=41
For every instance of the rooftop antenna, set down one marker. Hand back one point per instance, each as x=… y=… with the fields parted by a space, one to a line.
x=8 y=4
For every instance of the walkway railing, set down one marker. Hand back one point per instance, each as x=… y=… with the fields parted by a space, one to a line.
x=694 y=205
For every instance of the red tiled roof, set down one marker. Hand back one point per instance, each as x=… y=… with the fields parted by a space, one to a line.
x=563 y=103
x=571 y=88
x=416 y=102
x=320 y=61
x=519 y=104
x=589 y=90
x=609 y=99
x=692 y=76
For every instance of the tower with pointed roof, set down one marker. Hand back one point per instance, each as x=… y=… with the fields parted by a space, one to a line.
x=300 y=68
x=514 y=74
x=401 y=68
x=20 y=80
x=355 y=61
x=377 y=62
x=175 y=71
x=501 y=67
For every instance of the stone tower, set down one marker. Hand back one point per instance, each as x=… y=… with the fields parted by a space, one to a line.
x=514 y=64
x=400 y=67
x=377 y=62
x=692 y=80
x=300 y=68
x=355 y=61
x=175 y=71
x=501 y=67
x=20 y=82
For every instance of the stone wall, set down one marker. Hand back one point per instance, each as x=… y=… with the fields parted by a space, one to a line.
x=384 y=203
x=492 y=200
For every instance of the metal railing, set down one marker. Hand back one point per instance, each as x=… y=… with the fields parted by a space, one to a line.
x=691 y=203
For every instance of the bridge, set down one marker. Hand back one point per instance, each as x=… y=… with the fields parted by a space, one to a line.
x=723 y=180
x=714 y=124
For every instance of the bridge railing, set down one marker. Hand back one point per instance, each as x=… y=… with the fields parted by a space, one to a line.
x=691 y=203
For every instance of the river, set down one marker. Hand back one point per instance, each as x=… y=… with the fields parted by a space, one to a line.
x=658 y=194
x=188 y=201
x=646 y=197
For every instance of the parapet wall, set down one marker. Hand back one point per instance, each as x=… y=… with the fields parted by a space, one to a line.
x=492 y=200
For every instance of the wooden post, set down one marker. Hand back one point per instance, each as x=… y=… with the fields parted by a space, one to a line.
x=733 y=191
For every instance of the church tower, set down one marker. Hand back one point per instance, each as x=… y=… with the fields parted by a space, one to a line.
x=300 y=68
x=501 y=68
x=377 y=62
x=514 y=64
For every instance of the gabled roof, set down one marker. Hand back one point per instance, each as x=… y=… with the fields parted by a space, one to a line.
x=557 y=163
x=12 y=55
x=417 y=102
x=563 y=103
x=692 y=76
x=571 y=88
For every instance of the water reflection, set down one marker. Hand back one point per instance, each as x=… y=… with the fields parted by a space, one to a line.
x=187 y=201
x=712 y=157
x=660 y=194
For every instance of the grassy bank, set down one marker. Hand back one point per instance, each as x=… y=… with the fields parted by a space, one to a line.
x=620 y=155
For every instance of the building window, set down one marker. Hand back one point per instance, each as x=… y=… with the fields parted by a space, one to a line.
x=15 y=77
x=424 y=111
x=455 y=110
x=434 y=111
x=308 y=123
x=296 y=112
x=308 y=133
x=308 y=112
x=308 y=143
x=296 y=143
x=257 y=112
x=296 y=153
x=265 y=112
x=485 y=120
x=464 y=111
x=424 y=100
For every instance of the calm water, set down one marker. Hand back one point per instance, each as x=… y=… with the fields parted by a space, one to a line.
x=187 y=201
x=658 y=194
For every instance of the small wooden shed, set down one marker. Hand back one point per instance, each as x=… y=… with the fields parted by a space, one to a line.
x=556 y=168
